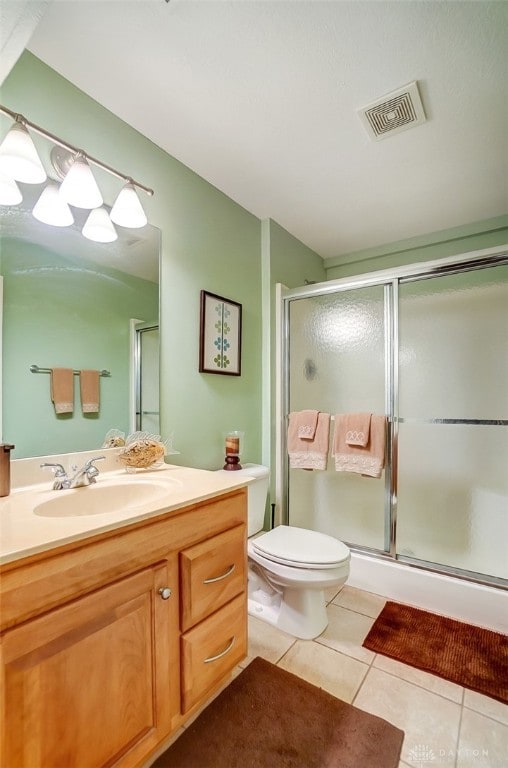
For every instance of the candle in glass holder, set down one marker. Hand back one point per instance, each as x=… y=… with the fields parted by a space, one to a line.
x=232 y=445
x=233 y=441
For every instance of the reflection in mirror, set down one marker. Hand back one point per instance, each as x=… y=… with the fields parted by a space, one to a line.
x=72 y=303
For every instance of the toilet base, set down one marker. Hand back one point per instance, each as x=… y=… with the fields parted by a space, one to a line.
x=299 y=612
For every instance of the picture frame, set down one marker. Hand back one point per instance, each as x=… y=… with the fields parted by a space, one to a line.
x=220 y=335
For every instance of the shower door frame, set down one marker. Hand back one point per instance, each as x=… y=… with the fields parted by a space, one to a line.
x=390 y=279
x=139 y=330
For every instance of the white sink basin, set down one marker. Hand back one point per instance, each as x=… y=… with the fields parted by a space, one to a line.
x=104 y=498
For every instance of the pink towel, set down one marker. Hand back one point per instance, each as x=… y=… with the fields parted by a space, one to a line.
x=305 y=453
x=90 y=391
x=305 y=423
x=358 y=429
x=368 y=460
x=62 y=389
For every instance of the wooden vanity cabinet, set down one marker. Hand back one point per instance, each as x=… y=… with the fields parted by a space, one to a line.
x=213 y=578
x=102 y=676
x=85 y=681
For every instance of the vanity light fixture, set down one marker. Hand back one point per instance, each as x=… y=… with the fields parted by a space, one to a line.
x=127 y=210
x=10 y=193
x=18 y=156
x=19 y=161
x=98 y=227
x=52 y=209
x=79 y=187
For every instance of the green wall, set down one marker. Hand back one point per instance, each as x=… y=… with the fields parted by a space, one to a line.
x=60 y=311
x=208 y=242
x=292 y=262
x=436 y=245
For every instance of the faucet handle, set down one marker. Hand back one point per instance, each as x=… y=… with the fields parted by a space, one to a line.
x=60 y=480
x=58 y=469
x=90 y=470
x=90 y=462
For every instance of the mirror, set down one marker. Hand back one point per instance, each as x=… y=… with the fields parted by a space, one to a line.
x=72 y=303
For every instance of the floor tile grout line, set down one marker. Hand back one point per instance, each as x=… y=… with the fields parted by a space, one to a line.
x=422 y=687
x=286 y=652
x=464 y=689
x=344 y=652
x=352 y=610
x=369 y=667
x=392 y=674
x=459 y=729
x=483 y=714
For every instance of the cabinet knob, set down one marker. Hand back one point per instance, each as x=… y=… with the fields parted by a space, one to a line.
x=165 y=593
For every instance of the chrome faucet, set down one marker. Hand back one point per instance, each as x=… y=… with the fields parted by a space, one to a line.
x=82 y=477
x=60 y=481
x=86 y=475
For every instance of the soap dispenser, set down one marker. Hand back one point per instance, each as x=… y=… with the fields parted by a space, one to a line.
x=5 y=468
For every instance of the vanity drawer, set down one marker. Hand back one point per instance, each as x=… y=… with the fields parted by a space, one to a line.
x=212 y=649
x=212 y=573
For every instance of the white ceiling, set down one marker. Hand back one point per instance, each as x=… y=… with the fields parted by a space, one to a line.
x=261 y=98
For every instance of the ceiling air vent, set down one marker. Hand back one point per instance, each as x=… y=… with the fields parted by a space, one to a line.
x=393 y=113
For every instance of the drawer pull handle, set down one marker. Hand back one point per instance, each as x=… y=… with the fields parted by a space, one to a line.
x=223 y=653
x=223 y=576
x=165 y=593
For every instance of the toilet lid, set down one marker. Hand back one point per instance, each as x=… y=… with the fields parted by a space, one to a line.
x=286 y=544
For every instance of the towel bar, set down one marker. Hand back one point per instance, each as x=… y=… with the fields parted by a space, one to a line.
x=37 y=369
x=481 y=422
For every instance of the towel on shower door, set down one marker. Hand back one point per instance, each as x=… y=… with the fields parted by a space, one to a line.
x=358 y=429
x=368 y=460
x=305 y=453
x=306 y=423
x=62 y=389
x=89 y=388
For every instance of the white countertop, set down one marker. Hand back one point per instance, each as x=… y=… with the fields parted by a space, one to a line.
x=24 y=532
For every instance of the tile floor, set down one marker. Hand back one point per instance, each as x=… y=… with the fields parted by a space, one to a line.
x=445 y=724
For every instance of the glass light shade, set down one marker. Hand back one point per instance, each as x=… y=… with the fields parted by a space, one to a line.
x=52 y=209
x=10 y=193
x=127 y=210
x=79 y=187
x=19 y=158
x=98 y=227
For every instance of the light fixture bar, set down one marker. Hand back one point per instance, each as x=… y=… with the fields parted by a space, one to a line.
x=42 y=132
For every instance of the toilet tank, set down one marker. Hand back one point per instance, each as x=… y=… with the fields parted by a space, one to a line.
x=257 y=492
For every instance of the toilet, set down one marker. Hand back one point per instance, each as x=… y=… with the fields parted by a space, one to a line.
x=289 y=567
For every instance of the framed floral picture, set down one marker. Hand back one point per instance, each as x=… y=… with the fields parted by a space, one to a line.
x=220 y=336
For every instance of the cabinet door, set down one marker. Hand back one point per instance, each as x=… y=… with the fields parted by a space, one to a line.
x=211 y=649
x=212 y=573
x=91 y=682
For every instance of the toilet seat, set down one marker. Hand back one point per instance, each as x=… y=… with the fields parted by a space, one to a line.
x=300 y=548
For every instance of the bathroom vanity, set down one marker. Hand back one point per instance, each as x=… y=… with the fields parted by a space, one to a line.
x=117 y=627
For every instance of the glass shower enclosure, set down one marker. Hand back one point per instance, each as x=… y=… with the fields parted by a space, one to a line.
x=428 y=348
